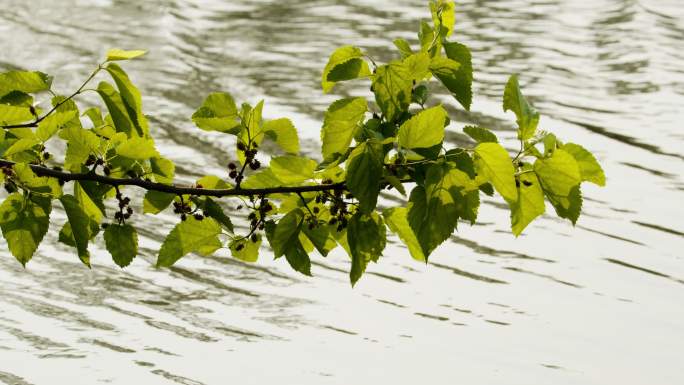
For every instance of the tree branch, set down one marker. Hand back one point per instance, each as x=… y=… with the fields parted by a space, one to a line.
x=174 y=189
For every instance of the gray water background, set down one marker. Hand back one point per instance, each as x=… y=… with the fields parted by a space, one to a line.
x=601 y=303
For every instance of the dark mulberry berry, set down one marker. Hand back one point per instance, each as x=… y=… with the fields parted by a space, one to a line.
x=233 y=174
x=239 y=247
x=183 y=217
x=232 y=166
x=241 y=146
x=316 y=210
x=254 y=238
x=129 y=210
x=106 y=170
x=105 y=225
x=199 y=217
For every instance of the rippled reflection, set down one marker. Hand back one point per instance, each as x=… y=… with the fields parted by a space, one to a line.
x=599 y=303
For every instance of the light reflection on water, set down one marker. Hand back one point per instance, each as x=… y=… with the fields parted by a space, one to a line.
x=600 y=303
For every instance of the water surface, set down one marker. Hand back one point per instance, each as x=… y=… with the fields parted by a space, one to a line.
x=595 y=304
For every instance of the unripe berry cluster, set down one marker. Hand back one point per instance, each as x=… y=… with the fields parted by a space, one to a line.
x=96 y=162
x=257 y=218
x=337 y=206
x=250 y=160
x=125 y=211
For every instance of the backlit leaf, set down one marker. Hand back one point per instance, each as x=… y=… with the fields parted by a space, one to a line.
x=340 y=124
x=122 y=243
x=527 y=116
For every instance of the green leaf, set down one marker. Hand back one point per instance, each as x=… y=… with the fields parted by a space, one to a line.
x=213 y=210
x=494 y=163
x=460 y=82
x=404 y=47
x=263 y=179
x=17 y=99
x=321 y=238
x=426 y=36
x=397 y=221
x=550 y=144
x=396 y=183
x=131 y=98
x=117 y=110
x=188 y=236
x=92 y=206
x=283 y=133
x=286 y=232
x=364 y=172
x=568 y=207
x=212 y=182
x=218 y=113
x=248 y=250
x=345 y=63
x=443 y=66
x=392 y=86
x=156 y=201
x=558 y=174
x=366 y=235
x=20 y=146
x=120 y=54
x=66 y=236
x=423 y=130
x=95 y=116
x=53 y=123
x=137 y=148
x=163 y=169
x=418 y=65
x=24 y=81
x=14 y=115
x=590 y=169
x=24 y=223
x=80 y=226
x=285 y=241
x=292 y=169
x=42 y=185
x=443 y=14
x=420 y=94
x=122 y=243
x=80 y=144
x=340 y=124
x=480 y=135
x=432 y=211
x=530 y=203
x=527 y=116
